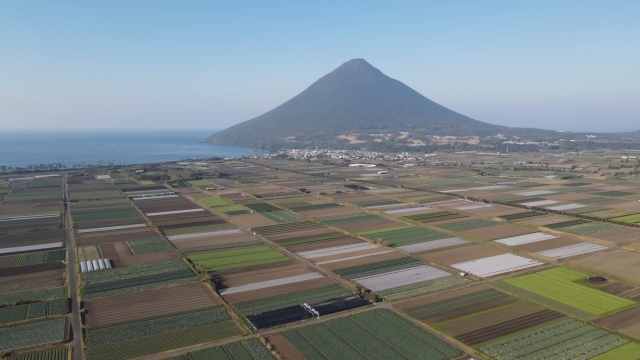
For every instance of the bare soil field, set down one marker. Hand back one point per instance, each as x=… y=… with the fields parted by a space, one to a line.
x=188 y=222
x=630 y=204
x=325 y=244
x=493 y=211
x=32 y=269
x=113 y=236
x=106 y=223
x=283 y=347
x=370 y=225
x=462 y=254
x=149 y=303
x=568 y=197
x=258 y=273
x=23 y=279
x=252 y=220
x=508 y=327
x=336 y=211
x=548 y=244
x=542 y=220
x=621 y=289
x=619 y=263
x=363 y=261
x=498 y=232
x=146 y=259
x=300 y=235
x=443 y=296
x=115 y=250
x=619 y=236
x=7 y=261
x=368 y=252
x=277 y=290
x=496 y=316
x=626 y=322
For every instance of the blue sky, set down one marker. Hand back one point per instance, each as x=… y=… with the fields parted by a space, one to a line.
x=570 y=65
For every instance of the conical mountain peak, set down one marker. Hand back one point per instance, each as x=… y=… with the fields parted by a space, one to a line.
x=355 y=99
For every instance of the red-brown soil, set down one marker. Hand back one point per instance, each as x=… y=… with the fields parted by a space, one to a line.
x=149 y=303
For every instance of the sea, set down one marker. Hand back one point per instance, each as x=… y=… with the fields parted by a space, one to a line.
x=20 y=148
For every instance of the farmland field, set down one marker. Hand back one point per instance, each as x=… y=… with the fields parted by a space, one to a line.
x=558 y=284
x=377 y=334
x=231 y=259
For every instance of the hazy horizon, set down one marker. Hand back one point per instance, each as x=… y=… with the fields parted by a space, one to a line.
x=559 y=66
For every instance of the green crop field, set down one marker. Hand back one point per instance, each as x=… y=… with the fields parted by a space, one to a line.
x=197 y=229
x=376 y=335
x=281 y=216
x=291 y=299
x=630 y=219
x=406 y=236
x=615 y=193
x=588 y=228
x=31 y=334
x=250 y=349
x=152 y=344
x=148 y=246
x=60 y=353
x=558 y=284
x=378 y=268
x=231 y=259
x=214 y=202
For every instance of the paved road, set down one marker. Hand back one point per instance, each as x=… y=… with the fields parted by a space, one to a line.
x=73 y=289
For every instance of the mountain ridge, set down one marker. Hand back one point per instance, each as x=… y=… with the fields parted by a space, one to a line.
x=358 y=106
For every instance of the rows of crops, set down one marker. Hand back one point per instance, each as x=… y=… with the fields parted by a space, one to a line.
x=284 y=228
x=521 y=215
x=290 y=299
x=378 y=268
x=221 y=247
x=558 y=284
x=250 y=349
x=407 y=236
x=32 y=334
x=262 y=207
x=149 y=245
x=108 y=334
x=39 y=258
x=349 y=219
x=567 y=339
x=59 y=353
x=237 y=258
x=466 y=225
x=443 y=306
x=315 y=207
x=377 y=334
x=421 y=288
x=135 y=278
x=281 y=216
x=629 y=219
x=35 y=310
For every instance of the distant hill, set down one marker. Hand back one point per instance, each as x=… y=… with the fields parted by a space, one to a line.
x=355 y=106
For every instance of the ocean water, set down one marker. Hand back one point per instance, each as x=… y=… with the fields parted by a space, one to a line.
x=19 y=148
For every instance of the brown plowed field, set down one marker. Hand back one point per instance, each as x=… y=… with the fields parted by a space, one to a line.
x=370 y=225
x=496 y=316
x=189 y=215
x=336 y=211
x=300 y=235
x=109 y=251
x=362 y=261
x=498 y=232
x=283 y=347
x=147 y=258
x=444 y=296
x=476 y=308
x=149 y=303
x=252 y=220
x=106 y=223
x=20 y=279
x=462 y=254
x=257 y=269
x=32 y=269
x=7 y=261
x=253 y=277
x=620 y=263
x=541 y=220
x=620 y=235
x=548 y=244
x=508 y=327
x=213 y=240
x=124 y=235
x=277 y=290
x=379 y=249
x=188 y=222
x=623 y=290
x=626 y=322
x=324 y=244
x=26 y=227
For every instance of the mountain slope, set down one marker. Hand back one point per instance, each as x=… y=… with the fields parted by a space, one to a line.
x=345 y=107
